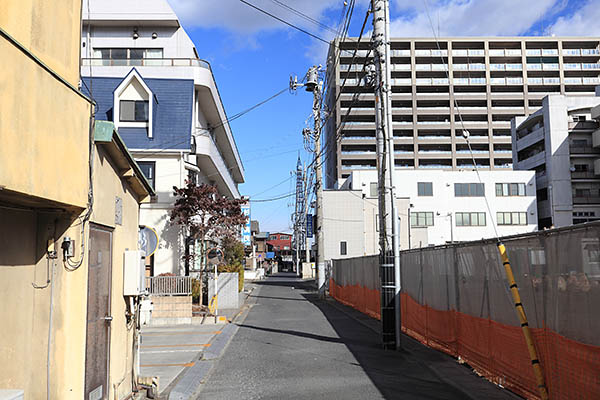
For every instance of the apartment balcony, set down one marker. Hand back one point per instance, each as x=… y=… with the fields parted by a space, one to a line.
x=506 y=67
x=586 y=200
x=212 y=162
x=575 y=150
x=583 y=175
x=580 y=52
x=504 y=52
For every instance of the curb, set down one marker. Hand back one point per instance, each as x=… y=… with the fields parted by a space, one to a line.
x=191 y=382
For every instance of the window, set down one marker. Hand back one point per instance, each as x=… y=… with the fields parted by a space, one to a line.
x=125 y=54
x=470 y=219
x=373 y=189
x=421 y=218
x=469 y=189
x=581 y=167
x=284 y=237
x=343 y=248
x=511 y=218
x=510 y=189
x=273 y=237
x=147 y=168
x=425 y=188
x=580 y=143
x=133 y=111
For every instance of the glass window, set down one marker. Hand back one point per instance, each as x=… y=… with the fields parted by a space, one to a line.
x=511 y=218
x=469 y=189
x=136 y=54
x=421 y=218
x=154 y=53
x=470 y=219
x=343 y=248
x=425 y=188
x=147 y=168
x=373 y=189
x=510 y=189
x=133 y=111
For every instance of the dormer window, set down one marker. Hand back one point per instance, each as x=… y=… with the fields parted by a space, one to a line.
x=133 y=104
x=133 y=111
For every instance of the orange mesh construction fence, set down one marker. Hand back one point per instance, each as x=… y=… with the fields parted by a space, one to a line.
x=497 y=351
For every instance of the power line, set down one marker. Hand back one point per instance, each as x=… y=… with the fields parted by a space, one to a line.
x=285 y=22
x=306 y=17
x=274 y=198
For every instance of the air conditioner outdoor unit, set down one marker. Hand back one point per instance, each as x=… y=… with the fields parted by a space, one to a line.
x=134 y=273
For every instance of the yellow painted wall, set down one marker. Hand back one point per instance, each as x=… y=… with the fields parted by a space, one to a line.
x=25 y=311
x=108 y=185
x=49 y=29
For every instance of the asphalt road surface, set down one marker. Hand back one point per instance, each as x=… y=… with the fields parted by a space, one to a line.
x=291 y=345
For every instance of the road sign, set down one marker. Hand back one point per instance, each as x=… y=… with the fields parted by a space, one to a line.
x=246 y=235
x=270 y=254
x=309 y=226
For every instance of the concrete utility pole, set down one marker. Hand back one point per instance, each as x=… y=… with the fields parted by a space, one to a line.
x=313 y=85
x=388 y=212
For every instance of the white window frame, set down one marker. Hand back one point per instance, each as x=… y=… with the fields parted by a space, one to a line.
x=133 y=75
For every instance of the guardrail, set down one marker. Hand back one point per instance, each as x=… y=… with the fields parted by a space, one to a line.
x=169 y=285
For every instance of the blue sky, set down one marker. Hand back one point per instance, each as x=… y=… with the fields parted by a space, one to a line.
x=253 y=56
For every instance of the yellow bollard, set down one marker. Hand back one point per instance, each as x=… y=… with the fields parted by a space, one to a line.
x=514 y=290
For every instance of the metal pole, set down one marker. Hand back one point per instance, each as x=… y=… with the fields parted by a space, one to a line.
x=451 y=229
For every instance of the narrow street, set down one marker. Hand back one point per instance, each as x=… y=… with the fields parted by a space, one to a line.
x=291 y=345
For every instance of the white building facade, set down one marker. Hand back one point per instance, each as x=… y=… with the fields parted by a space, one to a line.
x=434 y=207
x=561 y=143
x=144 y=72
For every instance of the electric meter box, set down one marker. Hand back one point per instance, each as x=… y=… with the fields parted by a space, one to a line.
x=134 y=273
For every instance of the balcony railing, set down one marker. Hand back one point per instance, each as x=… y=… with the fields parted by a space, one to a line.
x=145 y=62
x=169 y=285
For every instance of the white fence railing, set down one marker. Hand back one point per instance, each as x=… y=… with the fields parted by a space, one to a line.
x=169 y=285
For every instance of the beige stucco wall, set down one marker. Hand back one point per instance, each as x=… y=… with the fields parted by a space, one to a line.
x=49 y=29
x=44 y=131
x=108 y=185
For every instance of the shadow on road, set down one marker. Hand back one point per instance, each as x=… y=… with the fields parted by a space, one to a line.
x=416 y=373
x=294 y=333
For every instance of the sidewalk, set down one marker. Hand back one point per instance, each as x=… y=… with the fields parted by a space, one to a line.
x=181 y=355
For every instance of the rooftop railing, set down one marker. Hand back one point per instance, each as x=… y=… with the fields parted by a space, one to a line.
x=145 y=62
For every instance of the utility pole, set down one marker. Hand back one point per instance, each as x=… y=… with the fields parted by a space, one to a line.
x=298 y=213
x=388 y=212
x=313 y=85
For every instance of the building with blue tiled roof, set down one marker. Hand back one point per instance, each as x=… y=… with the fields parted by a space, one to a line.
x=144 y=73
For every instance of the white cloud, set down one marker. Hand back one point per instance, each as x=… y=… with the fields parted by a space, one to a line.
x=584 y=22
x=240 y=18
x=468 y=17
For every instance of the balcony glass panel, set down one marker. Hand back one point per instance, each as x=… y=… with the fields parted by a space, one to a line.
x=590 y=66
x=551 y=81
x=423 y=81
x=460 y=67
x=460 y=53
x=571 y=52
x=439 y=67
x=572 y=66
x=477 y=67
x=441 y=52
x=591 y=81
x=590 y=52
x=550 y=67
x=401 y=67
x=514 y=67
x=513 y=52
x=497 y=81
x=533 y=52
x=497 y=52
x=477 y=81
x=423 y=67
x=440 y=81
x=422 y=53
x=400 y=53
x=573 y=81
x=461 y=81
x=476 y=52
x=549 y=52
x=497 y=67
x=534 y=66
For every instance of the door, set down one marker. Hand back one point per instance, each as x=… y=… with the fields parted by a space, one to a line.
x=98 y=314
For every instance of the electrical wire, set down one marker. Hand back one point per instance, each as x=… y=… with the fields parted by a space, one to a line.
x=285 y=22
x=304 y=16
x=274 y=198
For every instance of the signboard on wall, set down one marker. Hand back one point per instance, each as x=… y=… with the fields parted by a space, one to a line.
x=246 y=235
x=309 y=226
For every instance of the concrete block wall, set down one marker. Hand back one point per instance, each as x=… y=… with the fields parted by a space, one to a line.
x=171 y=309
x=228 y=290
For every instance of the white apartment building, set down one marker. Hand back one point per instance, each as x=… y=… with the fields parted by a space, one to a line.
x=440 y=88
x=145 y=74
x=561 y=143
x=434 y=207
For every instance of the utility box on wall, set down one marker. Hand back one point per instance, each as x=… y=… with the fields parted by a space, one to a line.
x=134 y=277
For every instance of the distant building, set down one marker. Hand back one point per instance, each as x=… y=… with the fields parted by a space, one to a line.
x=483 y=81
x=143 y=70
x=434 y=208
x=561 y=143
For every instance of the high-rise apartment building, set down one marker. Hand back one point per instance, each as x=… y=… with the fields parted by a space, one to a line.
x=441 y=88
x=561 y=143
